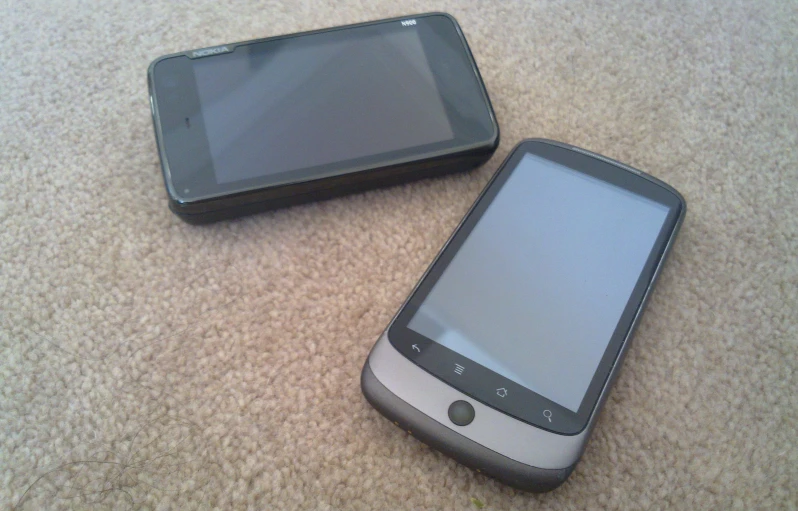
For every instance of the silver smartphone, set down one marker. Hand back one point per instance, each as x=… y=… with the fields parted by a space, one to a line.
x=504 y=353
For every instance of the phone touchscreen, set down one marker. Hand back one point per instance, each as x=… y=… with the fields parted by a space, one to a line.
x=529 y=304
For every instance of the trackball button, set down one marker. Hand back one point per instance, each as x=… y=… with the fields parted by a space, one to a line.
x=461 y=413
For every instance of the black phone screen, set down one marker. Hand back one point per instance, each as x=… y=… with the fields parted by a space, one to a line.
x=524 y=304
x=307 y=106
x=345 y=98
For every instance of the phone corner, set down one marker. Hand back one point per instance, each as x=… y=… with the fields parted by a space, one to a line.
x=673 y=191
x=682 y=202
x=548 y=480
x=190 y=218
x=488 y=145
x=443 y=14
x=183 y=209
x=496 y=137
x=153 y=63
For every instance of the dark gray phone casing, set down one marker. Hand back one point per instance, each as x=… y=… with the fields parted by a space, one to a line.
x=455 y=445
x=440 y=434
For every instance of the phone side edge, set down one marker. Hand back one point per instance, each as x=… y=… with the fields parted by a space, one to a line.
x=495 y=140
x=174 y=202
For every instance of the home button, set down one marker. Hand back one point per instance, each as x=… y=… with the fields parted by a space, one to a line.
x=461 y=413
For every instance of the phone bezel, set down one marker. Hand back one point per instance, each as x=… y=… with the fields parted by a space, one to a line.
x=528 y=407
x=204 y=189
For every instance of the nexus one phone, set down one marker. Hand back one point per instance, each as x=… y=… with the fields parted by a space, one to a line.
x=506 y=350
x=250 y=126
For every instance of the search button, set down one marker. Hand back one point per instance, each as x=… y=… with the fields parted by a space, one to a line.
x=547 y=414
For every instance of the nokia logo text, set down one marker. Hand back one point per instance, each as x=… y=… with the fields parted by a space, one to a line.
x=408 y=23
x=209 y=51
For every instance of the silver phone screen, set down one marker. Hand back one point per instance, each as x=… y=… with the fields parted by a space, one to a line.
x=538 y=287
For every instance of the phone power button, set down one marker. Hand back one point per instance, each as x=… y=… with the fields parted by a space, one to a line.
x=461 y=413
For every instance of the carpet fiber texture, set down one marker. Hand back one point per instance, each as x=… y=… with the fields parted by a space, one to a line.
x=149 y=364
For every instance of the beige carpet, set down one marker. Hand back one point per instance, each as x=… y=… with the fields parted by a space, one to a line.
x=149 y=364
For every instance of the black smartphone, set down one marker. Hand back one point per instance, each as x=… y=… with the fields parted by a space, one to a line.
x=250 y=126
x=505 y=351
